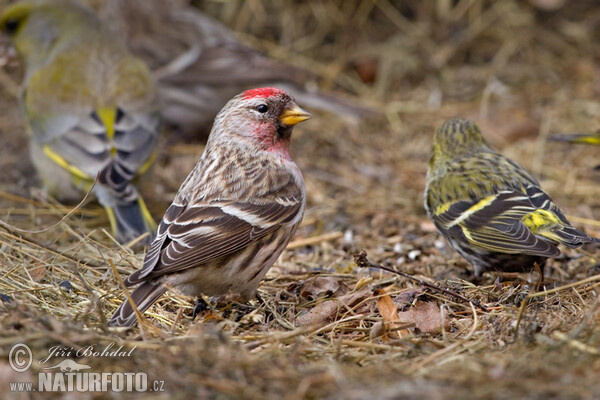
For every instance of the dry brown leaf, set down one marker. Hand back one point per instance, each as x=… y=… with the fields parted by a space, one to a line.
x=386 y=307
x=389 y=311
x=426 y=315
x=37 y=273
x=319 y=286
x=328 y=310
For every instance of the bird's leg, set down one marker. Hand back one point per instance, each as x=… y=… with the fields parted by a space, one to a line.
x=259 y=298
x=540 y=271
x=200 y=306
x=243 y=303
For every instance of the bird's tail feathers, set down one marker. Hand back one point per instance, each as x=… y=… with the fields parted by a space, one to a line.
x=571 y=237
x=130 y=220
x=143 y=296
x=584 y=138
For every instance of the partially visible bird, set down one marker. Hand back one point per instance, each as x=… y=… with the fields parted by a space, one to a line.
x=583 y=138
x=591 y=138
x=91 y=108
x=200 y=65
x=235 y=212
x=491 y=210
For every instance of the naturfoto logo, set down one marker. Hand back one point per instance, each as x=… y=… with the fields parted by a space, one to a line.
x=68 y=375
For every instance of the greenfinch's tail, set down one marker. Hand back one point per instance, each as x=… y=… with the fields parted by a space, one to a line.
x=131 y=220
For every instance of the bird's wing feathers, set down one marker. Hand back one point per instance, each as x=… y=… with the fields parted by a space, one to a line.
x=194 y=235
x=117 y=143
x=495 y=223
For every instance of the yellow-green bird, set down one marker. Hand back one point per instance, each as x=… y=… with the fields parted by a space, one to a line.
x=491 y=210
x=91 y=108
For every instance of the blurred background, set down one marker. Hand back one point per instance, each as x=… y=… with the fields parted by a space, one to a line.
x=379 y=76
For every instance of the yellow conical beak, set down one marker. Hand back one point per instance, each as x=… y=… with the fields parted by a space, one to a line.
x=293 y=116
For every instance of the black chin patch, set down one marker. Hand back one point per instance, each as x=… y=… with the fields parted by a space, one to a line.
x=284 y=132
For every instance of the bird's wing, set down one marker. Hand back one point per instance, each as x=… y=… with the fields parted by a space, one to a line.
x=192 y=235
x=507 y=222
x=110 y=140
x=551 y=223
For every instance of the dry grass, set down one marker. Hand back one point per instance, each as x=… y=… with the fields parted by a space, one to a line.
x=519 y=71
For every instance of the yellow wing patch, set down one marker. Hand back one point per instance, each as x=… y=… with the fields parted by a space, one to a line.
x=540 y=220
x=443 y=208
x=481 y=204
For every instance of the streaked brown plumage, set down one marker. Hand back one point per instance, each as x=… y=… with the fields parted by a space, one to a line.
x=235 y=212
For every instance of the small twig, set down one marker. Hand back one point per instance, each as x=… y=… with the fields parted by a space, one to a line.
x=24 y=239
x=314 y=240
x=363 y=262
x=547 y=292
x=64 y=218
x=140 y=318
x=576 y=344
x=524 y=303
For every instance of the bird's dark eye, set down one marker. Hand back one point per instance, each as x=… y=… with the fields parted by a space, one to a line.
x=11 y=25
x=263 y=108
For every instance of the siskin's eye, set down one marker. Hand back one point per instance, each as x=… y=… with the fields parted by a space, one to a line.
x=263 y=108
x=11 y=25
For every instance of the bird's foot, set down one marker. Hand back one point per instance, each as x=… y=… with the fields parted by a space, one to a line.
x=200 y=306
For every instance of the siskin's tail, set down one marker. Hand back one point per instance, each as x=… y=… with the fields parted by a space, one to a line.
x=143 y=296
x=130 y=220
x=572 y=237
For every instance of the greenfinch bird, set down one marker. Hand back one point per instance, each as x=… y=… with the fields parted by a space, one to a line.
x=90 y=107
x=491 y=210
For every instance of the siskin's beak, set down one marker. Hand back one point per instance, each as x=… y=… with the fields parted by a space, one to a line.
x=293 y=116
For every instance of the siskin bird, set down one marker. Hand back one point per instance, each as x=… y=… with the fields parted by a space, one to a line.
x=235 y=212
x=91 y=108
x=491 y=210
x=201 y=65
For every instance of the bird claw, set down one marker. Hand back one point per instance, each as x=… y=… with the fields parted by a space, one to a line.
x=200 y=306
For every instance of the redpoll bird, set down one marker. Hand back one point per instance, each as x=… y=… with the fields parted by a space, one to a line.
x=235 y=212
x=200 y=65
x=491 y=210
